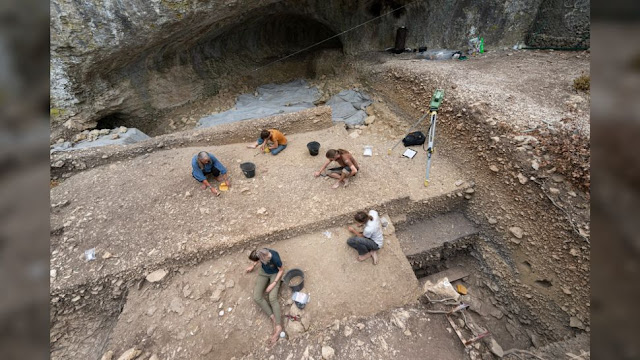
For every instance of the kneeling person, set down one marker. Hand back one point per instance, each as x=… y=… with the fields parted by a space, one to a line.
x=272 y=139
x=205 y=163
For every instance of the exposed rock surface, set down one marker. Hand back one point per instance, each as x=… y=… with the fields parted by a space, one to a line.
x=126 y=61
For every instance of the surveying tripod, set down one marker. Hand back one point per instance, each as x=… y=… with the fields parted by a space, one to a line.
x=436 y=101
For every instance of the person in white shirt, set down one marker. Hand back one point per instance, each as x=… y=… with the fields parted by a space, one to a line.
x=370 y=240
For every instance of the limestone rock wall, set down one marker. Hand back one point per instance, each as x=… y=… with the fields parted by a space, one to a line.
x=136 y=58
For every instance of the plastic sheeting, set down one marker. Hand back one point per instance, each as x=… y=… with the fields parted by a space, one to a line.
x=349 y=106
x=272 y=99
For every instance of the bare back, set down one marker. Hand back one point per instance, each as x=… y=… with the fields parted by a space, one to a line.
x=346 y=159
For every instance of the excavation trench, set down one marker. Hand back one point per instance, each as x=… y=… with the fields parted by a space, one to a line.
x=514 y=292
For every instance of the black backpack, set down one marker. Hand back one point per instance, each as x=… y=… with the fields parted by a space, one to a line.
x=414 y=138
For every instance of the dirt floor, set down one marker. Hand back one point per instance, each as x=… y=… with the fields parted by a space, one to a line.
x=494 y=165
x=123 y=208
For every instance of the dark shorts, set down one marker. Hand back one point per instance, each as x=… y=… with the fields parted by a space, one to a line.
x=340 y=169
x=362 y=245
x=214 y=171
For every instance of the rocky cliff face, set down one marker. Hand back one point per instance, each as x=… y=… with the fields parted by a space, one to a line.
x=128 y=60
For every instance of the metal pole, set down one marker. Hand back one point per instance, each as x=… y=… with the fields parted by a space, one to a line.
x=432 y=134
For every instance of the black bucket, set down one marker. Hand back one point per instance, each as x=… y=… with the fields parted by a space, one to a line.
x=248 y=169
x=313 y=147
x=298 y=279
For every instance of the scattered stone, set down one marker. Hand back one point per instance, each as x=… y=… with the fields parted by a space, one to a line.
x=107 y=255
x=516 y=231
x=496 y=349
x=154 y=357
x=370 y=119
x=230 y=284
x=407 y=332
x=399 y=318
x=572 y=194
x=493 y=221
x=354 y=135
x=574 y=322
x=459 y=182
x=176 y=306
x=336 y=325
x=557 y=178
x=53 y=273
x=262 y=211
x=469 y=191
x=122 y=129
x=495 y=138
x=348 y=331
x=107 y=356
x=493 y=168
x=157 y=275
x=575 y=252
x=130 y=354
x=58 y=164
x=515 y=241
x=221 y=313
x=150 y=311
x=360 y=343
x=566 y=290
x=554 y=191
x=187 y=194
x=535 y=165
x=327 y=352
x=115 y=137
x=522 y=179
x=360 y=326
x=217 y=294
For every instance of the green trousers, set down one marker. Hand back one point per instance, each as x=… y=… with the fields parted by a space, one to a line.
x=272 y=306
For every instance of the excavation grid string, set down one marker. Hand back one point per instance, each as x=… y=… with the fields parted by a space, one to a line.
x=334 y=36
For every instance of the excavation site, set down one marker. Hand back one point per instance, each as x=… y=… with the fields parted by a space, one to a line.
x=407 y=179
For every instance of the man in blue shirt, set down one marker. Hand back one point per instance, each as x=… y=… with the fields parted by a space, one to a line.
x=204 y=163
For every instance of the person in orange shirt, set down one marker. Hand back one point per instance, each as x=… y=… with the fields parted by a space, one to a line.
x=272 y=139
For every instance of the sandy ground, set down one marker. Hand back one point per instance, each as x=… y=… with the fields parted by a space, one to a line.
x=138 y=210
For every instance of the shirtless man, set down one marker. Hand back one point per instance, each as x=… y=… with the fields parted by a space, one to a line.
x=348 y=167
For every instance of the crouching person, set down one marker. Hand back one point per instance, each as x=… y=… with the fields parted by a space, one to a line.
x=204 y=164
x=370 y=240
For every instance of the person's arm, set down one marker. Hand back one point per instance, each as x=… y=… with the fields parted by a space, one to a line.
x=218 y=165
x=356 y=232
x=278 y=277
x=351 y=166
x=275 y=145
x=253 y=266
x=317 y=173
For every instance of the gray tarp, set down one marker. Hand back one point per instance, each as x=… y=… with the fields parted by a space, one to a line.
x=273 y=99
x=348 y=106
